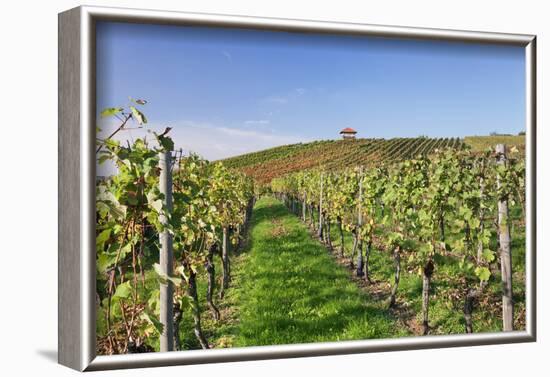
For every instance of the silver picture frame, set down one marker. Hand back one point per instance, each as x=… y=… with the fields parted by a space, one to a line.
x=76 y=232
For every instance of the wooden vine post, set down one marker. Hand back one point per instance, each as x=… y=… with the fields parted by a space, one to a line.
x=481 y=218
x=225 y=260
x=505 y=250
x=359 y=240
x=320 y=231
x=304 y=207
x=166 y=256
x=360 y=204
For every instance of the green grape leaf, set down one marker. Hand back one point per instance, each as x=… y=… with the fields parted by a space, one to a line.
x=163 y=277
x=124 y=290
x=104 y=261
x=153 y=320
x=101 y=238
x=138 y=115
x=154 y=202
x=488 y=255
x=166 y=143
x=483 y=273
x=110 y=111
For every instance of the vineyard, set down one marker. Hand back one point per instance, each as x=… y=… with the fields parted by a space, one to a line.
x=161 y=221
x=322 y=241
x=334 y=155
x=449 y=212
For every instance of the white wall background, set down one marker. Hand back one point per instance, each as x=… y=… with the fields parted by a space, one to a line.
x=28 y=205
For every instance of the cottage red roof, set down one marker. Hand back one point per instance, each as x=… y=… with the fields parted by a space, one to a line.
x=348 y=130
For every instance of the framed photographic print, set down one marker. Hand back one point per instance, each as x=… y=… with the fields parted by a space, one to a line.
x=237 y=188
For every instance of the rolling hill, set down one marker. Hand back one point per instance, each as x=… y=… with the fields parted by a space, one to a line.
x=265 y=165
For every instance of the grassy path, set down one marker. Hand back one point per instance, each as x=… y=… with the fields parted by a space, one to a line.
x=288 y=289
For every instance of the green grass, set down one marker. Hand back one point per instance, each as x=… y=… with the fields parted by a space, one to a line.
x=289 y=289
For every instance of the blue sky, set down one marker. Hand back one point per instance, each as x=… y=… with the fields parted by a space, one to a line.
x=226 y=92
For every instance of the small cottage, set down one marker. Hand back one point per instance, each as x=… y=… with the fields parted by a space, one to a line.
x=348 y=133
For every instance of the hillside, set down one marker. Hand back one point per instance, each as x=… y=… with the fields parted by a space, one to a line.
x=334 y=154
